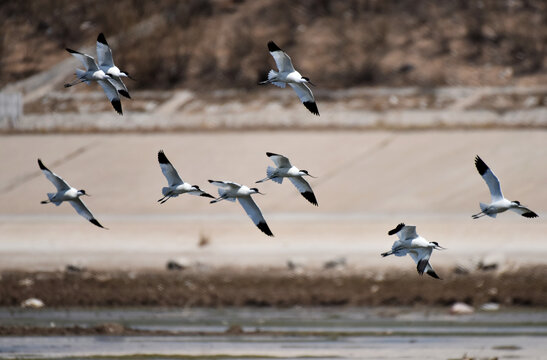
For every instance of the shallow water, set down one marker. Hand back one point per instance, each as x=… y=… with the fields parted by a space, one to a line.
x=324 y=333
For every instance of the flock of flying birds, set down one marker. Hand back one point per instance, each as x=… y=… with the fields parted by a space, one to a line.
x=109 y=77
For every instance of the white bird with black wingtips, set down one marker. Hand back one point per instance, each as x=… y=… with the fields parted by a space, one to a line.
x=416 y=246
x=93 y=73
x=231 y=191
x=65 y=192
x=106 y=63
x=288 y=75
x=499 y=204
x=286 y=170
x=175 y=184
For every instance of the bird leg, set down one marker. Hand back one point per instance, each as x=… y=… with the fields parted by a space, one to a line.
x=476 y=216
x=74 y=83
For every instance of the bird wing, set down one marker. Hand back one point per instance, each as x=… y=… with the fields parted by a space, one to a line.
x=490 y=179
x=104 y=53
x=57 y=181
x=421 y=257
x=112 y=94
x=81 y=209
x=404 y=232
x=169 y=170
x=304 y=188
x=254 y=213
x=118 y=84
x=282 y=60
x=306 y=96
x=524 y=211
x=279 y=160
x=88 y=61
x=225 y=184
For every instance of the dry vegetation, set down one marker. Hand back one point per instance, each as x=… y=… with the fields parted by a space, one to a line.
x=202 y=44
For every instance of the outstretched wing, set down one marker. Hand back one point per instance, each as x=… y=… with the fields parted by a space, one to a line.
x=88 y=61
x=56 y=180
x=490 y=179
x=169 y=170
x=225 y=184
x=306 y=96
x=279 y=160
x=524 y=211
x=254 y=213
x=404 y=232
x=120 y=87
x=104 y=53
x=421 y=258
x=112 y=95
x=81 y=209
x=282 y=60
x=304 y=188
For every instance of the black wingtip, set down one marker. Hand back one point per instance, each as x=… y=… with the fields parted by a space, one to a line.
x=207 y=195
x=530 y=214
x=481 y=166
x=124 y=93
x=421 y=266
x=117 y=104
x=95 y=222
x=212 y=181
x=397 y=229
x=72 y=51
x=162 y=158
x=102 y=39
x=264 y=228
x=310 y=197
x=433 y=274
x=268 y=154
x=273 y=47
x=312 y=107
x=41 y=165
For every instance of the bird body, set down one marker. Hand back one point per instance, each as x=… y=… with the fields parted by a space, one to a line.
x=414 y=245
x=67 y=193
x=232 y=191
x=94 y=73
x=285 y=169
x=176 y=186
x=498 y=203
x=286 y=74
x=106 y=63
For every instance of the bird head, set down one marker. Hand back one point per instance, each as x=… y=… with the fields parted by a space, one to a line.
x=307 y=80
x=255 y=191
x=436 y=245
x=82 y=192
x=305 y=173
x=125 y=74
x=516 y=202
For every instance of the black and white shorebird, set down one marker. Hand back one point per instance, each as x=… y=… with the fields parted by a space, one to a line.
x=93 y=73
x=65 y=192
x=231 y=191
x=175 y=184
x=499 y=204
x=288 y=75
x=106 y=64
x=416 y=246
x=286 y=170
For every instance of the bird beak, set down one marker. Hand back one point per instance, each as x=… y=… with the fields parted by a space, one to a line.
x=315 y=177
x=438 y=247
x=131 y=77
x=312 y=84
x=261 y=193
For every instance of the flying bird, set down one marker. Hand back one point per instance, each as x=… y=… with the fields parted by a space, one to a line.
x=416 y=246
x=65 y=192
x=231 y=191
x=93 y=73
x=288 y=75
x=286 y=170
x=499 y=204
x=175 y=184
x=106 y=64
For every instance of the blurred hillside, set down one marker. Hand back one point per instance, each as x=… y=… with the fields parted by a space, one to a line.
x=203 y=44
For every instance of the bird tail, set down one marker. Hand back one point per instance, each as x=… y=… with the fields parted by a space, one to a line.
x=166 y=191
x=483 y=209
x=270 y=171
x=222 y=193
x=50 y=196
x=271 y=76
x=80 y=73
